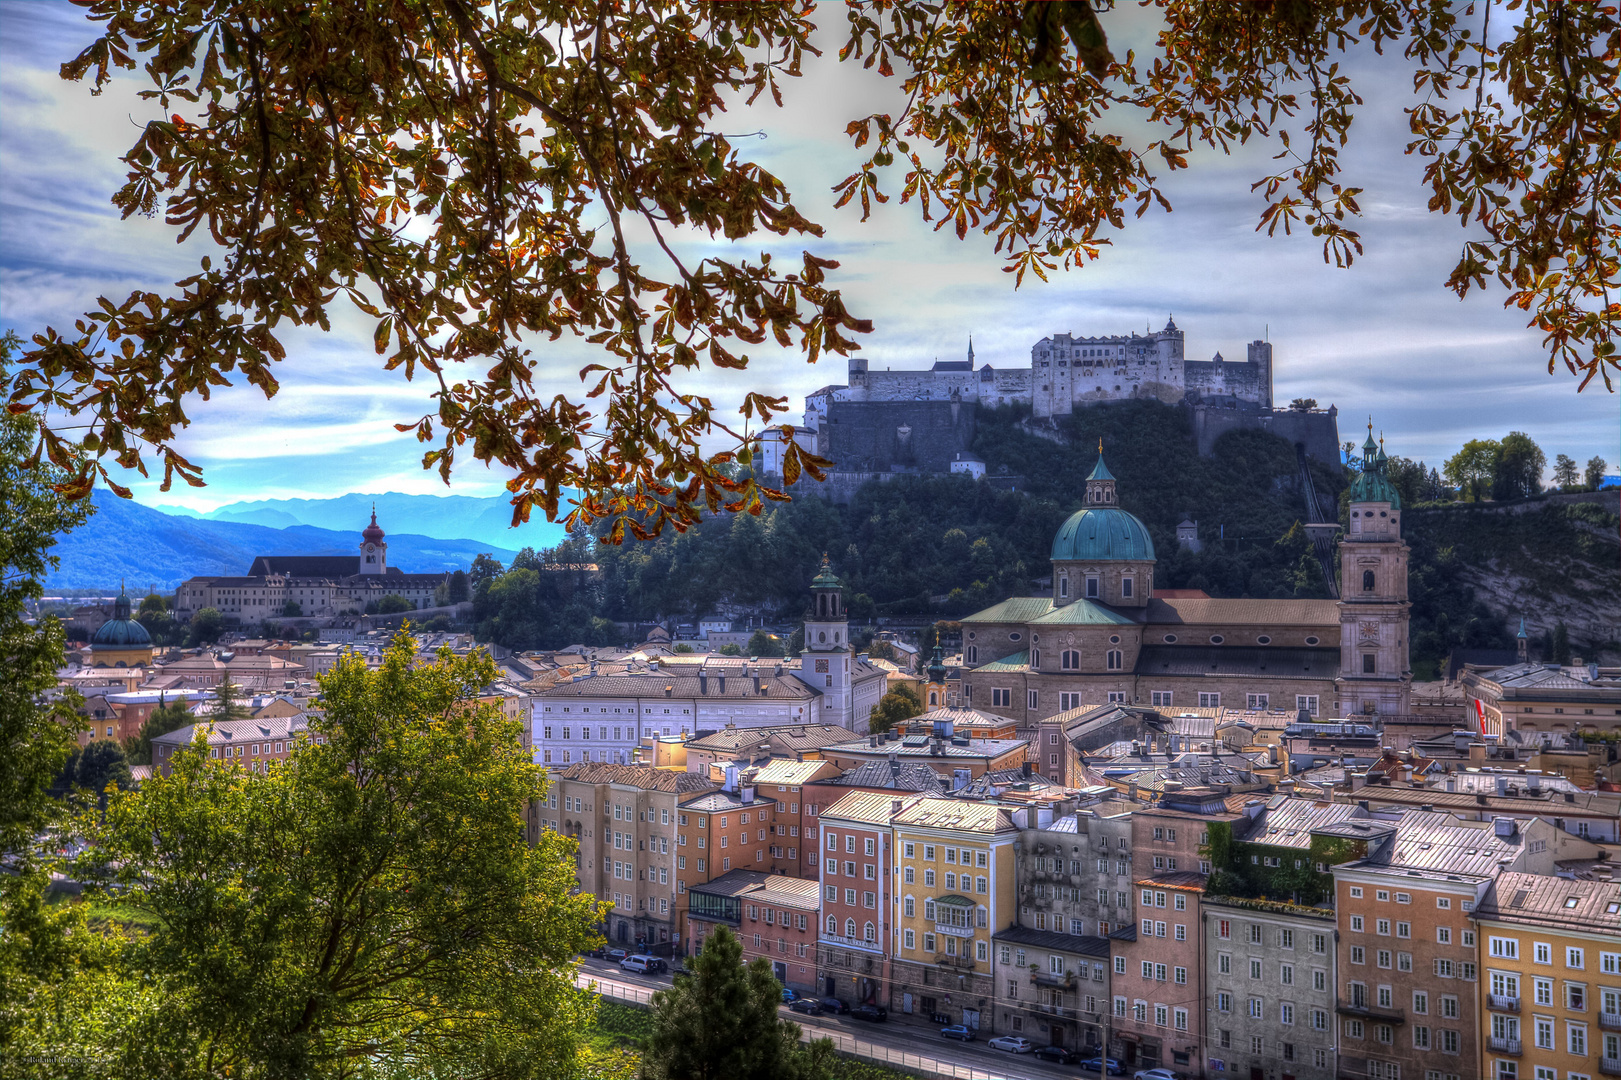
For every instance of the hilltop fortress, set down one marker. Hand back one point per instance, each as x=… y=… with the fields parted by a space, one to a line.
x=887 y=423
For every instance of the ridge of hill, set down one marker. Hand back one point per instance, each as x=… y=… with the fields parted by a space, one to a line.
x=484 y=519
x=125 y=541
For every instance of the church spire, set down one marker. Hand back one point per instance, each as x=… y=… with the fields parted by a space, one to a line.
x=1100 y=482
x=970 y=351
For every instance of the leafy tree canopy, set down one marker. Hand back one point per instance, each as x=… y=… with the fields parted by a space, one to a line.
x=899 y=704
x=394 y=604
x=473 y=178
x=720 y=1022
x=368 y=907
x=206 y=626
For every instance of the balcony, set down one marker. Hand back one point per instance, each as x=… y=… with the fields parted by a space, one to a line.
x=947 y=960
x=1498 y=1045
x=1504 y=1003
x=1364 y=1011
x=1048 y=978
x=849 y=942
x=1610 y=1066
x=1057 y=1010
x=954 y=931
x=1610 y=1021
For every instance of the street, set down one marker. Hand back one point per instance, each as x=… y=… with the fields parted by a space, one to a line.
x=902 y=1044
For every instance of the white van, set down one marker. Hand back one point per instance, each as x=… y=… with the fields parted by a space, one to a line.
x=640 y=964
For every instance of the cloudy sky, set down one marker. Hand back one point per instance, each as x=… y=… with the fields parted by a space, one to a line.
x=1383 y=337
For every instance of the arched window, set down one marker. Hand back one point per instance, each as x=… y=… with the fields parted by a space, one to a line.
x=934 y=699
x=1367 y=581
x=1116 y=660
x=869 y=933
x=833 y=925
x=1035 y=658
x=849 y=928
x=1071 y=660
x=973 y=654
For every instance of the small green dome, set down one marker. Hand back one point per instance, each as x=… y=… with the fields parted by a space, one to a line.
x=1100 y=534
x=1371 y=485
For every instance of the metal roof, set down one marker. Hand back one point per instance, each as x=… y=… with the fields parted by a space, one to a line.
x=1210 y=610
x=1083 y=944
x=1553 y=902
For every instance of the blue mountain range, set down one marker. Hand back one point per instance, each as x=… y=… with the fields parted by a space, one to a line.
x=126 y=542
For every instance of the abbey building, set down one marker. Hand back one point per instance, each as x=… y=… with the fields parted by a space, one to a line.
x=321 y=585
x=1104 y=635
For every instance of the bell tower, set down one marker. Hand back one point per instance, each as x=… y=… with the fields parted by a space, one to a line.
x=1375 y=675
x=825 y=665
x=373 y=549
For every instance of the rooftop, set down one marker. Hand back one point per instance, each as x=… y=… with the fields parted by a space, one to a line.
x=1553 y=902
x=762 y=888
x=938 y=813
x=1084 y=944
x=638 y=776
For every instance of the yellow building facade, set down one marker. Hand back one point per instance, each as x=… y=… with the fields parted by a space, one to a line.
x=955 y=887
x=1550 y=974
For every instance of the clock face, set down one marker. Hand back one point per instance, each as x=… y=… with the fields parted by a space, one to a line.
x=370 y=549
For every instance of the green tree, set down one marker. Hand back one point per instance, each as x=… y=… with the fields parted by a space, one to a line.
x=381 y=904
x=1565 y=476
x=206 y=626
x=729 y=650
x=228 y=702
x=796 y=641
x=292 y=609
x=1474 y=466
x=719 y=1022
x=899 y=704
x=1303 y=404
x=100 y=763
x=162 y=720
x=1594 y=473
x=1520 y=464
x=458 y=592
x=764 y=644
x=682 y=647
x=38 y=728
x=547 y=210
x=1560 y=649
x=394 y=604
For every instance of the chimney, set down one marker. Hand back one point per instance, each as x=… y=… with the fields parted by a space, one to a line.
x=895 y=806
x=703 y=681
x=730 y=783
x=1027 y=770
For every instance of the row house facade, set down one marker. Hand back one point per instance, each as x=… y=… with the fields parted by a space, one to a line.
x=773 y=916
x=955 y=890
x=628 y=824
x=857 y=937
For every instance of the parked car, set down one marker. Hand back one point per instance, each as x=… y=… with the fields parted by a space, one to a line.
x=808 y=1006
x=643 y=965
x=834 y=1005
x=957 y=1031
x=1059 y=1054
x=1156 y=1074
x=789 y=995
x=1097 y=1065
x=615 y=955
x=1013 y=1044
x=876 y=1014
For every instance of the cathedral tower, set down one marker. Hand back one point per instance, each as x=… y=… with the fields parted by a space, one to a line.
x=825 y=664
x=1375 y=676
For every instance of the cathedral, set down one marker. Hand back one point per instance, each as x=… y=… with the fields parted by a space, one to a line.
x=319 y=585
x=1104 y=635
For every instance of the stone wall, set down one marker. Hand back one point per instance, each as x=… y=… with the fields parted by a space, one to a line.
x=906 y=436
x=1318 y=432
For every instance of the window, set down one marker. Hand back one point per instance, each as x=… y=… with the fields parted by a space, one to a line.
x=1030 y=695
x=1001 y=697
x=1256 y=701
x=1091 y=586
x=1573 y=958
x=1160 y=698
x=1541 y=953
x=1367 y=664
x=1115 y=660
x=1070 y=660
x=1209 y=700
x=1066 y=702
x=1125 y=586
x=1306 y=703
x=1505 y=948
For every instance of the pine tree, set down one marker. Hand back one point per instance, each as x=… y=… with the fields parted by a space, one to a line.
x=720 y=1022
x=228 y=702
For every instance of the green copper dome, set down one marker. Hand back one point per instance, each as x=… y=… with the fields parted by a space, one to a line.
x=1371 y=484
x=826 y=578
x=1102 y=533
x=121 y=631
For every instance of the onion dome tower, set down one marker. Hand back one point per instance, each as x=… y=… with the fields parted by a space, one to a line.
x=373 y=549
